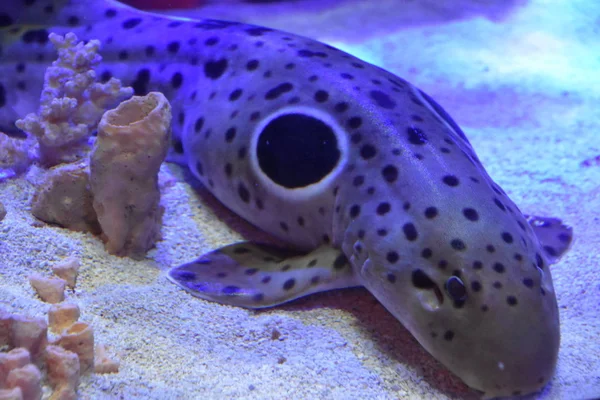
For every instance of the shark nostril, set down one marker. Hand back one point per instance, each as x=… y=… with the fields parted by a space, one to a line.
x=421 y=280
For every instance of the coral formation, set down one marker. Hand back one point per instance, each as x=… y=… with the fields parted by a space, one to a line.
x=50 y=290
x=64 y=198
x=67 y=269
x=72 y=102
x=29 y=350
x=132 y=143
x=15 y=153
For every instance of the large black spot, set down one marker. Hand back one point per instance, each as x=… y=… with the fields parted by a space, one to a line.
x=278 y=90
x=214 y=69
x=5 y=20
x=416 y=136
x=296 y=150
x=382 y=99
x=2 y=96
x=131 y=23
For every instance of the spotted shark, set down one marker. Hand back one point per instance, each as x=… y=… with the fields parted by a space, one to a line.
x=364 y=176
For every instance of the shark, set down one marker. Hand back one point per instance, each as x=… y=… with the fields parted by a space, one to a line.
x=366 y=179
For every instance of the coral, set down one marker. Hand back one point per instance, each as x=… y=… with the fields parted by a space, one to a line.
x=103 y=364
x=67 y=269
x=132 y=143
x=63 y=371
x=28 y=379
x=15 y=153
x=79 y=338
x=72 y=102
x=64 y=198
x=61 y=316
x=50 y=290
x=26 y=346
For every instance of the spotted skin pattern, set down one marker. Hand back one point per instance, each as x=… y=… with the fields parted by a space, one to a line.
x=365 y=176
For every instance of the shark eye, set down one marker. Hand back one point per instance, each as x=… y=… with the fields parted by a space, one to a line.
x=456 y=289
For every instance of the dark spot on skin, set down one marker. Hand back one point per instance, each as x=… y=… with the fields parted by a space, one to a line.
x=539 y=260
x=475 y=286
x=383 y=208
x=230 y=290
x=73 y=20
x=257 y=31
x=198 y=125
x=39 y=36
x=361 y=234
x=511 y=300
x=242 y=152
x=499 y=204
x=449 y=335
x=507 y=237
x=477 y=265
x=470 y=214
x=443 y=264
x=382 y=99
x=450 y=180
x=266 y=279
x=499 y=268
x=258 y=297
x=300 y=221
x=354 y=211
x=355 y=122
x=131 y=23
x=358 y=180
x=312 y=263
x=347 y=76
x=564 y=237
x=289 y=284
x=150 y=50
x=173 y=47
x=252 y=65
x=382 y=232
x=309 y=54
x=528 y=282
x=367 y=152
x=490 y=248
x=321 y=96
x=340 y=262
x=228 y=169
x=410 y=232
x=284 y=227
x=176 y=80
x=391 y=278
x=211 y=41
x=392 y=257
x=243 y=193
x=341 y=107
x=123 y=55
x=177 y=145
x=216 y=68
x=106 y=75
x=184 y=276
x=315 y=280
x=431 y=212
x=551 y=251
x=416 y=136
x=278 y=90
x=200 y=168
x=230 y=134
x=426 y=253
x=356 y=138
x=390 y=173
x=251 y=271
x=286 y=267
x=458 y=245
x=5 y=20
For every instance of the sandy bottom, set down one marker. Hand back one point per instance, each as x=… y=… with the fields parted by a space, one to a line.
x=522 y=80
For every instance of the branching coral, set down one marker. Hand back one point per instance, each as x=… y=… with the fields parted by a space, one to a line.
x=72 y=102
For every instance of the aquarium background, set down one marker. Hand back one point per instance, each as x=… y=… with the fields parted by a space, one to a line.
x=522 y=78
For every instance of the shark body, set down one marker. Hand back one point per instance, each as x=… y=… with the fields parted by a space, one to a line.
x=366 y=177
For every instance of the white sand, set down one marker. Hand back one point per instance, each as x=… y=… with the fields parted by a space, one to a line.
x=525 y=88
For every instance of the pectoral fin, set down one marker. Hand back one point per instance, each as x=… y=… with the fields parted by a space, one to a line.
x=256 y=275
x=554 y=236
